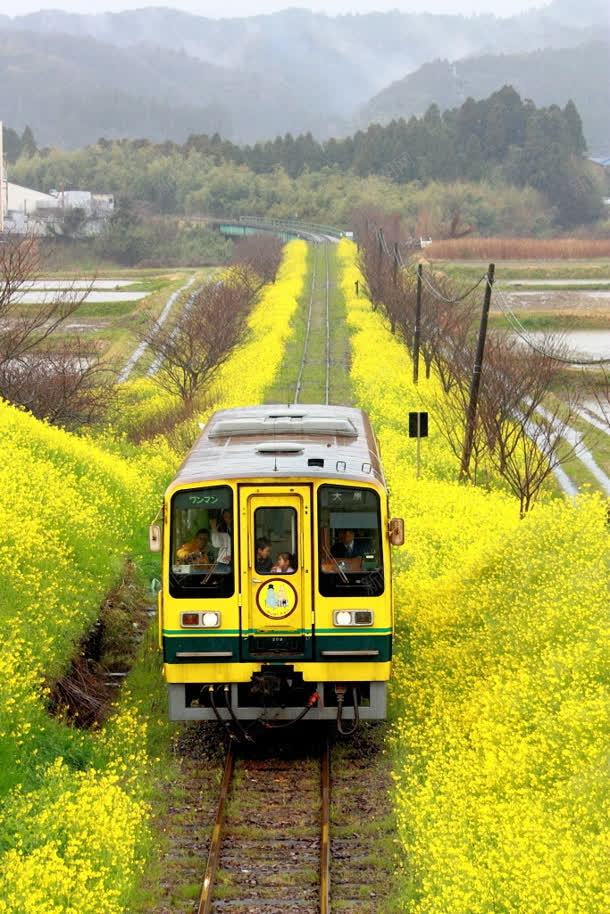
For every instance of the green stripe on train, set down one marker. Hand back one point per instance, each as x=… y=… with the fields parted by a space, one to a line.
x=318 y=649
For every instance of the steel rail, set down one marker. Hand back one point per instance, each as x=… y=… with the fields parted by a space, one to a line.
x=327 y=384
x=206 y=899
x=207 y=891
x=325 y=831
x=297 y=392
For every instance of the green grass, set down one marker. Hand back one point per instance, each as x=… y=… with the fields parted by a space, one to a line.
x=509 y=270
x=313 y=388
x=552 y=321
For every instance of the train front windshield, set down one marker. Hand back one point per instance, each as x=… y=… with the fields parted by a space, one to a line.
x=350 y=553
x=202 y=561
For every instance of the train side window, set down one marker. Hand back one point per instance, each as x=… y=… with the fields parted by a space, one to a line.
x=275 y=540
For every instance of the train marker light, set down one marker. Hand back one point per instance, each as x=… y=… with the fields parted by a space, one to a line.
x=210 y=620
x=363 y=617
x=396 y=531
x=189 y=619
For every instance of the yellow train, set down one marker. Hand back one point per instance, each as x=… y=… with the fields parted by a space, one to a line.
x=276 y=597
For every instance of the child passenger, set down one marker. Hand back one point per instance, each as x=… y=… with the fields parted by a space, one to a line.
x=283 y=564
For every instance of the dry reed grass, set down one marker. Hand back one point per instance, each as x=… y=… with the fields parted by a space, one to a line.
x=518 y=249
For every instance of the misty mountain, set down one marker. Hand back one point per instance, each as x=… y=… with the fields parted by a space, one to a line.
x=169 y=73
x=75 y=90
x=547 y=77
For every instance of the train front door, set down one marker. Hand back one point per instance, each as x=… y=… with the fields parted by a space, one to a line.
x=276 y=572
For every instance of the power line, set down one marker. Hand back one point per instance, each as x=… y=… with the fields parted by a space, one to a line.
x=453 y=301
x=521 y=332
x=517 y=326
x=396 y=256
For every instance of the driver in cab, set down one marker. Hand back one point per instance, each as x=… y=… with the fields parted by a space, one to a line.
x=197 y=551
x=347 y=547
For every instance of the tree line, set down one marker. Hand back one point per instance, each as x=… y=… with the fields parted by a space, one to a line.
x=500 y=144
x=17 y=145
x=502 y=135
x=525 y=402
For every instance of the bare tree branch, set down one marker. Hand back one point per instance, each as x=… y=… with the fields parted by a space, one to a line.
x=67 y=383
x=192 y=351
x=70 y=386
x=260 y=254
x=524 y=424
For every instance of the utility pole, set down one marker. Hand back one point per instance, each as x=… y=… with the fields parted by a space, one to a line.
x=395 y=266
x=471 y=414
x=2 y=181
x=417 y=333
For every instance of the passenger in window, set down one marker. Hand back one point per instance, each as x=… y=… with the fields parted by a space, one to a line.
x=225 y=523
x=197 y=550
x=347 y=547
x=284 y=564
x=262 y=561
x=222 y=542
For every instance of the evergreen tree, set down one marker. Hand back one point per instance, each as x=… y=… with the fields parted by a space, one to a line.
x=574 y=133
x=28 y=143
x=12 y=144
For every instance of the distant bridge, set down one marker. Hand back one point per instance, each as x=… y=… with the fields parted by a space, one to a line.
x=287 y=229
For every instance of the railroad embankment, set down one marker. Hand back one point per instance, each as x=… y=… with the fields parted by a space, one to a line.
x=72 y=812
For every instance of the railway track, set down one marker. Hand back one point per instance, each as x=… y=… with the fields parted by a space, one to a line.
x=324 y=322
x=270 y=852
x=274 y=842
x=273 y=850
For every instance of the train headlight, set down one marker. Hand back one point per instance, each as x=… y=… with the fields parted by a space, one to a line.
x=343 y=617
x=210 y=620
x=353 y=617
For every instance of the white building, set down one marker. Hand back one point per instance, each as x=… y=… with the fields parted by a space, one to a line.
x=92 y=204
x=31 y=211
x=25 y=200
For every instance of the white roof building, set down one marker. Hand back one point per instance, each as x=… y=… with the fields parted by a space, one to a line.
x=25 y=200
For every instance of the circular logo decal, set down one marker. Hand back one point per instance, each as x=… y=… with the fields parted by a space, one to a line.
x=276 y=598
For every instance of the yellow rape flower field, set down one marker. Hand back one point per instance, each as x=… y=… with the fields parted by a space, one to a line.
x=500 y=695
x=500 y=691
x=74 y=815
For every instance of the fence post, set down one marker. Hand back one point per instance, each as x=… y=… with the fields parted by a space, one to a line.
x=417 y=331
x=471 y=413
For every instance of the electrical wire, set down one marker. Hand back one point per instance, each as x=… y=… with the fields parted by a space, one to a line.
x=521 y=332
x=517 y=326
x=452 y=301
x=397 y=257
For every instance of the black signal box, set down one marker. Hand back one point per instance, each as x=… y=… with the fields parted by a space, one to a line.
x=418 y=425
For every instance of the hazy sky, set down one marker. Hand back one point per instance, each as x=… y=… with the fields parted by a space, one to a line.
x=218 y=8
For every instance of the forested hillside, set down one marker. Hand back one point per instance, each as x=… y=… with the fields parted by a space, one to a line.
x=76 y=91
x=548 y=76
x=163 y=73
x=502 y=141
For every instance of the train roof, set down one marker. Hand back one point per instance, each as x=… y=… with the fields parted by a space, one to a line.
x=280 y=441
